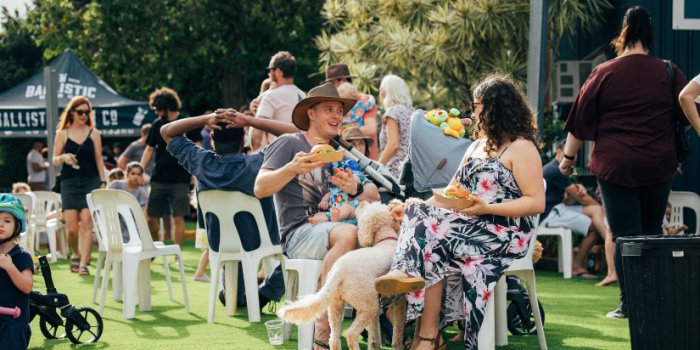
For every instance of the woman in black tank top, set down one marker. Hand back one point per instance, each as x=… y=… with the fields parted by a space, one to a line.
x=78 y=150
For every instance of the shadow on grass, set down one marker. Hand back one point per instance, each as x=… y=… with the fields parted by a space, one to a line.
x=563 y=337
x=157 y=324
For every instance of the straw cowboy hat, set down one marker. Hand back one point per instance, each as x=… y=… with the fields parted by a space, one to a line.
x=337 y=71
x=321 y=93
x=354 y=133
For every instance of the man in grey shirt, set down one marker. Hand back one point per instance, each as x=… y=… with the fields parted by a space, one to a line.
x=134 y=151
x=298 y=183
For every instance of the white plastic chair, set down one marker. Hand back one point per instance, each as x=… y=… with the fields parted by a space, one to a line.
x=494 y=330
x=135 y=256
x=29 y=236
x=301 y=279
x=564 y=246
x=45 y=203
x=225 y=205
x=681 y=200
x=116 y=261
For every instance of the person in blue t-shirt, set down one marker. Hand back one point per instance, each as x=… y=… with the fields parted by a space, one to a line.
x=226 y=168
x=569 y=205
x=16 y=268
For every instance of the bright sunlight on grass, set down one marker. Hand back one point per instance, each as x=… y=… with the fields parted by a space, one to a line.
x=574 y=316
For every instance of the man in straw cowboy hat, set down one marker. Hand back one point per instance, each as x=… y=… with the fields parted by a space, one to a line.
x=298 y=182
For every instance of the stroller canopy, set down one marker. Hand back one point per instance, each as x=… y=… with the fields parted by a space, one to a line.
x=434 y=155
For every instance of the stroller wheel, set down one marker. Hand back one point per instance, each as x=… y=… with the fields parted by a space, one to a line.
x=90 y=332
x=522 y=322
x=51 y=332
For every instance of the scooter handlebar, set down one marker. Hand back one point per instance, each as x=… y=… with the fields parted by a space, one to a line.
x=15 y=313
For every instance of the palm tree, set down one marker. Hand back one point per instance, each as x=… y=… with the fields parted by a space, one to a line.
x=441 y=47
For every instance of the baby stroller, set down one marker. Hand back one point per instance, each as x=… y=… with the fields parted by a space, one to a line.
x=387 y=184
x=82 y=325
x=433 y=160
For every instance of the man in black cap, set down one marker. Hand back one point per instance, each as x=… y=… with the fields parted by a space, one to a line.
x=298 y=182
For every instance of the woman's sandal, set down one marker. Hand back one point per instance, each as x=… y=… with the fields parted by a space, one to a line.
x=321 y=344
x=83 y=271
x=438 y=342
x=74 y=265
x=392 y=285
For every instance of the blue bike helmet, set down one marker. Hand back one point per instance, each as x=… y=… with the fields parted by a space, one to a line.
x=12 y=205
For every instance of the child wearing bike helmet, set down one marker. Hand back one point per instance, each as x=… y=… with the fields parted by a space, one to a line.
x=16 y=268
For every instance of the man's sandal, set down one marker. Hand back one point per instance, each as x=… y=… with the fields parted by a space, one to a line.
x=392 y=285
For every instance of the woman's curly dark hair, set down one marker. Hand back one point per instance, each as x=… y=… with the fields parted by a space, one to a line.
x=505 y=113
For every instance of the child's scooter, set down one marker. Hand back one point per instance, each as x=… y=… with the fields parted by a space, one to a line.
x=82 y=325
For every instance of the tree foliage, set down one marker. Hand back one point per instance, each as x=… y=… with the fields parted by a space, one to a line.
x=213 y=53
x=441 y=47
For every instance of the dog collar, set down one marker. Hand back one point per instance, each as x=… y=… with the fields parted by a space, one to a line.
x=387 y=239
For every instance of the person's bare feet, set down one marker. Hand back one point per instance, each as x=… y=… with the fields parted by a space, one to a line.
x=608 y=280
x=318 y=218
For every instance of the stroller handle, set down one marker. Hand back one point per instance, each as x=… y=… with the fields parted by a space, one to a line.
x=15 y=313
x=373 y=169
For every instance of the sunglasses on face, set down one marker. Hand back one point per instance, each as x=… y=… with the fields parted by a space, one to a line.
x=82 y=111
x=136 y=174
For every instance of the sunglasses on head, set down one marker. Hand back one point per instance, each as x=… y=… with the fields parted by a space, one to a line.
x=82 y=111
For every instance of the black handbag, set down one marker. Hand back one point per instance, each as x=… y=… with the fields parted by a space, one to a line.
x=682 y=145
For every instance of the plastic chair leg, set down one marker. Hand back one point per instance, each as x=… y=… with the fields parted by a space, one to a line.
x=213 y=285
x=117 y=282
x=105 y=281
x=130 y=269
x=51 y=235
x=231 y=287
x=566 y=241
x=144 y=285
x=166 y=272
x=99 y=265
x=290 y=277
x=183 y=279
x=250 y=282
x=535 y=305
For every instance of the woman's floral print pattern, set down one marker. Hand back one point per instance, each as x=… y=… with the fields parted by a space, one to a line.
x=469 y=253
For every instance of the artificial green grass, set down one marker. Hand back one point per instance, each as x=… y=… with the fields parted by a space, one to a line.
x=574 y=316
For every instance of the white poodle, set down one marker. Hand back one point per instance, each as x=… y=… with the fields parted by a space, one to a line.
x=351 y=280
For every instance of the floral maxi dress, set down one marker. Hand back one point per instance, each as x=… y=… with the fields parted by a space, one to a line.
x=469 y=252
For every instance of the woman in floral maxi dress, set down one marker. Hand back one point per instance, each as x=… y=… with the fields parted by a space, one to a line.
x=462 y=254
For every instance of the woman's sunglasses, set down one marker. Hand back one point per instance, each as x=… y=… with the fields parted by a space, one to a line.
x=82 y=111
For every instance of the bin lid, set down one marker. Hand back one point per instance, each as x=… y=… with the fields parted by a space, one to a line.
x=635 y=245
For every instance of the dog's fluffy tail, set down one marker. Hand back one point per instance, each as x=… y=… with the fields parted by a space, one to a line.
x=308 y=307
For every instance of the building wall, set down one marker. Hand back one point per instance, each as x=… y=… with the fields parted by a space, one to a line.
x=680 y=46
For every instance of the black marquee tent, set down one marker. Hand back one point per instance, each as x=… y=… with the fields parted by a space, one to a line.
x=23 y=107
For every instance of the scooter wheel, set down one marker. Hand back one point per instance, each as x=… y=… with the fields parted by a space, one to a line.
x=517 y=325
x=89 y=334
x=49 y=331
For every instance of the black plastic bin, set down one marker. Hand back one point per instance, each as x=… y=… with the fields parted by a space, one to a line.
x=662 y=286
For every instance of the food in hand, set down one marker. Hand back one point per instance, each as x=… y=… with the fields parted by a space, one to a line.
x=453 y=197
x=326 y=153
x=456 y=193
